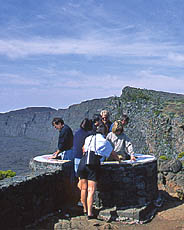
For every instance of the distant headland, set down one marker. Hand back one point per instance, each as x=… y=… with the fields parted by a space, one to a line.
x=156 y=119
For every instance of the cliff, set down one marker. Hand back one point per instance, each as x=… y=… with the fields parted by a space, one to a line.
x=156 y=120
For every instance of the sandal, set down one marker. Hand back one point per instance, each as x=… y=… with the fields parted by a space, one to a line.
x=91 y=217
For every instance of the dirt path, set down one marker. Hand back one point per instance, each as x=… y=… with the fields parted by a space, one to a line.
x=169 y=217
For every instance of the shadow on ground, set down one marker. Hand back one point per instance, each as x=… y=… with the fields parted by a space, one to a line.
x=72 y=217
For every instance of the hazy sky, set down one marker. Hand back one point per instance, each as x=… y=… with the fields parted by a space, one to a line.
x=60 y=52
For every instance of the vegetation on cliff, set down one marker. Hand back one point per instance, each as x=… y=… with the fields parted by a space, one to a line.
x=156 y=120
x=6 y=174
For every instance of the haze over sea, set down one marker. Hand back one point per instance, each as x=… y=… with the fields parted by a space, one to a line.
x=16 y=152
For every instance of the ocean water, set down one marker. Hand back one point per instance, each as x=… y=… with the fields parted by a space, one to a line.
x=16 y=152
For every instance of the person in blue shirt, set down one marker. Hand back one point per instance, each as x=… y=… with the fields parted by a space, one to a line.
x=79 y=138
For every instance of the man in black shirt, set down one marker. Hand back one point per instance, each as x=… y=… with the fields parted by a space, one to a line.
x=65 y=141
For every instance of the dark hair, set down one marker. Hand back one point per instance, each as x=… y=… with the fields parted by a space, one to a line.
x=101 y=129
x=86 y=124
x=96 y=117
x=57 y=120
x=125 y=118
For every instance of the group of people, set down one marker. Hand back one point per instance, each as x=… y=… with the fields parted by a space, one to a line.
x=106 y=140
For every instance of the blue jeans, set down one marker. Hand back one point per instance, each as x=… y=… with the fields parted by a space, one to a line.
x=67 y=155
x=76 y=164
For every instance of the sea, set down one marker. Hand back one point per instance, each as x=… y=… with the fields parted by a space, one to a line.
x=16 y=153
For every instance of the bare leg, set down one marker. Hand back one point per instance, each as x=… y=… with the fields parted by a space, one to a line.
x=91 y=192
x=84 y=192
x=79 y=184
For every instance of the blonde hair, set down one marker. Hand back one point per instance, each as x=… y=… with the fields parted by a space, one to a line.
x=117 y=126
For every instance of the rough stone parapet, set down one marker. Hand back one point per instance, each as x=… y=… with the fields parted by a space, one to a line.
x=123 y=187
x=25 y=199
x=171 y=177
x=36 y=165
x=127 y=187
x=131 y=189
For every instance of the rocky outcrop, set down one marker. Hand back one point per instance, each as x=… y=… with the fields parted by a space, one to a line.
x=171 y=177
x=156 y=120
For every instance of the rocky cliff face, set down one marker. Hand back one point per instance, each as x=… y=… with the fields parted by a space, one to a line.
x=36 y=123
x=156 y=120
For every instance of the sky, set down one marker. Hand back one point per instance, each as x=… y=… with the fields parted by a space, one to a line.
x=56 y=53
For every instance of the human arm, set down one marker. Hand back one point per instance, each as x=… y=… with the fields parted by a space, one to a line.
x=55 y=154
x=132 y=158
x=83 y=150
x=131 y=152
x=129 y=148
x=115 y=156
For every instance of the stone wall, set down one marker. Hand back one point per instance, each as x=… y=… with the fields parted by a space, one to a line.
x=126 y=186
x=171 y=177
x=122 y=187
x=26 y=199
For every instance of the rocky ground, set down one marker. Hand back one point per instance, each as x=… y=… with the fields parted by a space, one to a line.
x=169 y=217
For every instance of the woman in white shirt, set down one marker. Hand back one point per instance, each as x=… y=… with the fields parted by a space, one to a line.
x=88 y=174
x=120 y=142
